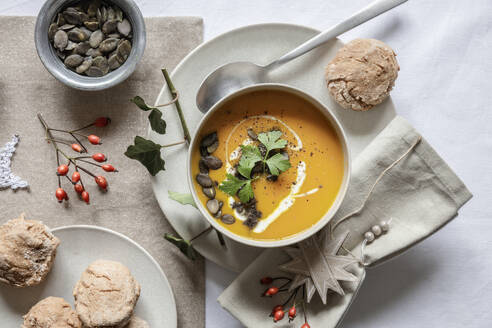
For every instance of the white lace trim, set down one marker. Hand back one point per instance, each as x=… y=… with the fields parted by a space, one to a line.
x=7 y=178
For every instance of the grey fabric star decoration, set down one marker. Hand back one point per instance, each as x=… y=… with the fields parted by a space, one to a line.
x=7 y=178
x=316 y=264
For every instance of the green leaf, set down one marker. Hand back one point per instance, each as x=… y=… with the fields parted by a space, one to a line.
x=231 y=185
x=277 y=164
x=250 y=155
x=246 y=192
x=156 y=122
x=141 y=103
x=184 y=199
x=271 y=140
x=148 y=153
x=184 y=246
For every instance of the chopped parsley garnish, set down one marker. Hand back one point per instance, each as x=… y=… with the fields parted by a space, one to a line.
x=250 y=157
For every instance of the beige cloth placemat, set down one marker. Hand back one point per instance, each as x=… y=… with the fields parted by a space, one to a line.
x=129 y=207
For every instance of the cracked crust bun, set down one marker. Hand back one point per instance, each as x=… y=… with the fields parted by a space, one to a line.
x=27 y=252
x=52 y=312
x=106 y=295
x=362 y=74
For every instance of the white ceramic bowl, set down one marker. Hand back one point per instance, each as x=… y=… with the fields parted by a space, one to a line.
x=338 y=200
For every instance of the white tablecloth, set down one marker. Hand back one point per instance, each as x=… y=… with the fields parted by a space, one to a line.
x=444 y=49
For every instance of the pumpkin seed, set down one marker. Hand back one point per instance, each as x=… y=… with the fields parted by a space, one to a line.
x=218 y=214
x=203 y=151
x=96 y=38
x=70 y=46
x=212 y=162
x=73 y=60
x=82 y=48
x=60 y=40
x=111 y=14
x=118 y=14
x=124 y=49
x=109 y=27
x=114 y=35
x=93 y=7
x=213 y=205
x=124 y=27
x=84 y=66
x=101 y=63
x=209 y=192
x=204 y=180
x=104 y=15
x=60 y=20
x=113 y=62
x=66 y=27
x=61 y=54
x=209 y=139
x=76 y=35
x=94 y=53
x=202 y=166
x=252 y=134
x=94 y=71
x=108 y=45
x=74 y=17
x=92 y=25
x=228 y=219
x=86 y=31
x=52 y=31
x=262 y=149
x=213 y=147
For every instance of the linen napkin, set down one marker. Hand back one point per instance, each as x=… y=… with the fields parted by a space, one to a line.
x=419 y=194
x=129 y=207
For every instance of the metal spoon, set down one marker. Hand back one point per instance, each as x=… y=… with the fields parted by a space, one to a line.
x=233 y=76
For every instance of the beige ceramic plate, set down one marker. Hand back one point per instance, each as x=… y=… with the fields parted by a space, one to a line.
x=260 y=44
x=80 y=245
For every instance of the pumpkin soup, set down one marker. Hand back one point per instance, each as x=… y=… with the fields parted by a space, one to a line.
x=269 y=165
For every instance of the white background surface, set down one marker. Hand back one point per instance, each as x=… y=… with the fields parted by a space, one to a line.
x=444 y=89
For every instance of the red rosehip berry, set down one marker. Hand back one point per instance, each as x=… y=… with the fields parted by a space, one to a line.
x=77 y=148
x=78 y=188
x=279 y=315
x=266 y=280
x=292 y=313
x=275 y=309
x=93 y=139
x=61 y=195
x=109 y=168
x=102 y=121
x=85 y=196
x=271 y=291
x=75 y=176
x=99 y=157
x=306 y=325
x=101 y=182
x=62 y=169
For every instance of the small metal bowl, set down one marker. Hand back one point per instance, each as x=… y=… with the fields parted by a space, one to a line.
x=55 y=65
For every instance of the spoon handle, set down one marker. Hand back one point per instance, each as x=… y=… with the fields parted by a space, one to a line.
x=374 y=9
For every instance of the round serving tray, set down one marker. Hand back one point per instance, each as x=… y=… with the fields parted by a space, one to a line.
x=260 y=44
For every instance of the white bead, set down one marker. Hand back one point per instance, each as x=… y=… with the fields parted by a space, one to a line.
x=376 y=230
x=384 y=226
x=369 y=236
